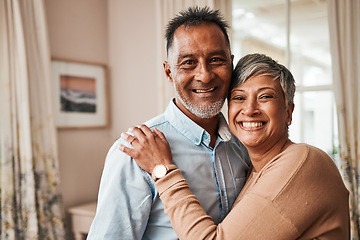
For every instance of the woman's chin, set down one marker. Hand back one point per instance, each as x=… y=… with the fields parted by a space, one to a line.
x=250 y=143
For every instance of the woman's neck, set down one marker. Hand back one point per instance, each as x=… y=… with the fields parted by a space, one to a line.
x=260 y=156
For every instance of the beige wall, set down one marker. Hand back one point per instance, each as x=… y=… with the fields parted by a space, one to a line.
x=133 y=61
x=122 y=35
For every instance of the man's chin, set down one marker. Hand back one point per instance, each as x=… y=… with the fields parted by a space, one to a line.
x=207 y=110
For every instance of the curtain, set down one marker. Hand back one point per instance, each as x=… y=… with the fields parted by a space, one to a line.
x=31 y=203
x=167 y=9
x=344 y=22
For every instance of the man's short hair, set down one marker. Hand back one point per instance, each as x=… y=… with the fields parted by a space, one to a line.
x=195 y=16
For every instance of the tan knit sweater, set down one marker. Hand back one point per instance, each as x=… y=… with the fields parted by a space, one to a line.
x=298 y=195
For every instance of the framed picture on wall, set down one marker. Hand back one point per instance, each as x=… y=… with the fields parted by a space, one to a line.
x=80 y=98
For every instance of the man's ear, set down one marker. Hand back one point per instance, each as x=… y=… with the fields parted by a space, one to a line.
x=167 y=71
x=232 y=62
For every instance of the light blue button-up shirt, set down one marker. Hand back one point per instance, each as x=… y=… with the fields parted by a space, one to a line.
x=129 y=206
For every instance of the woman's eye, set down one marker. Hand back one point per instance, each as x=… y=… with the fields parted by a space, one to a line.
x=266 y=96
x=238 y=98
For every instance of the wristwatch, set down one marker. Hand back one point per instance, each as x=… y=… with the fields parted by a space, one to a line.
x=161 y=170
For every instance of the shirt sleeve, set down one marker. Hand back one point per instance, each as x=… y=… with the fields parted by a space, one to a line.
x=251 y=214
x=124 y=199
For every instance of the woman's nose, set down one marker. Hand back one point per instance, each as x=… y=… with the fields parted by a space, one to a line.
x=250 y=108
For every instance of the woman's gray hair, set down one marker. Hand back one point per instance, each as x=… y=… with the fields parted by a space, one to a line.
x=257 y=64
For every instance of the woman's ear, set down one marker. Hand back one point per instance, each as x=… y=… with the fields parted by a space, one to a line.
x=167 y=71
x=290 y=110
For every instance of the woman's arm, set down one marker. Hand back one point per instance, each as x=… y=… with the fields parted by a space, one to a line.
x=254 y=217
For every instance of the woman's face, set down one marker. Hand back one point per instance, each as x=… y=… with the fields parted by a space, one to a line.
x=257 y=112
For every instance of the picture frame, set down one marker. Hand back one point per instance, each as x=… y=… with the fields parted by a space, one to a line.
x=80 y=94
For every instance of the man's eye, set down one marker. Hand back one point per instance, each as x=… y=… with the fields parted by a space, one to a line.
x=188 y=62
x=214 y=60
x=187 y=65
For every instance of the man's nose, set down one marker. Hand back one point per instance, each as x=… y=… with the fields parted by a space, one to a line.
x=204 y=73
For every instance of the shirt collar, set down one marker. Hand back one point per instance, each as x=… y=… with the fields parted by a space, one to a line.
x=224 y=130
x=190 y=129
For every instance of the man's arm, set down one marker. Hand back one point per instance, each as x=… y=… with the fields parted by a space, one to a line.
x=124 y=200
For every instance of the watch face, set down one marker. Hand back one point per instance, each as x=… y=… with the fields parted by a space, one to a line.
x=160 y=171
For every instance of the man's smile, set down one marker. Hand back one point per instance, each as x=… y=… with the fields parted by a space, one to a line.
x=204 y=90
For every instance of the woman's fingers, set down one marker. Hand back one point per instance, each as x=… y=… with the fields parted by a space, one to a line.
x=160 y=135
x=146 y=130
x=127 y=137
x=142 y=133
x=149 y=148
x=127 y=150
x=137 y=132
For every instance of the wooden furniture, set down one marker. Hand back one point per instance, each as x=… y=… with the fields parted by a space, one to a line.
x=81 y=219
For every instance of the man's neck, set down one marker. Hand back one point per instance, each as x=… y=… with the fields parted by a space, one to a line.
x=209 y=124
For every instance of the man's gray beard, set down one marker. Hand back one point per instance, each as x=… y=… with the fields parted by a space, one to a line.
x=209 y=111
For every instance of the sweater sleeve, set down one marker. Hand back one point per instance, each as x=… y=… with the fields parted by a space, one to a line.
x=298 y=194
x=251 y=214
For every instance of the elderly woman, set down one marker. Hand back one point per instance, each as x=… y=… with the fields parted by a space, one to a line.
x=294 y=191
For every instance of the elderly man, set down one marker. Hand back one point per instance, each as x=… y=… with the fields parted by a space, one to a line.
x=214 y=162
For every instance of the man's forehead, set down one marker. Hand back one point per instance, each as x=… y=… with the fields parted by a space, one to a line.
x=177 y=52
x=193 y=29
x=211 y=34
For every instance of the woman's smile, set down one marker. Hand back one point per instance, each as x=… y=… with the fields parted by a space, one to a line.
x=258 y=114
x=252 y=125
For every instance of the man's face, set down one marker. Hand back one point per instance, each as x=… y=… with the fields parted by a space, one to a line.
x=199 y=66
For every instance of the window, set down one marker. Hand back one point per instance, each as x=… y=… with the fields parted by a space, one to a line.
x=295 y=33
